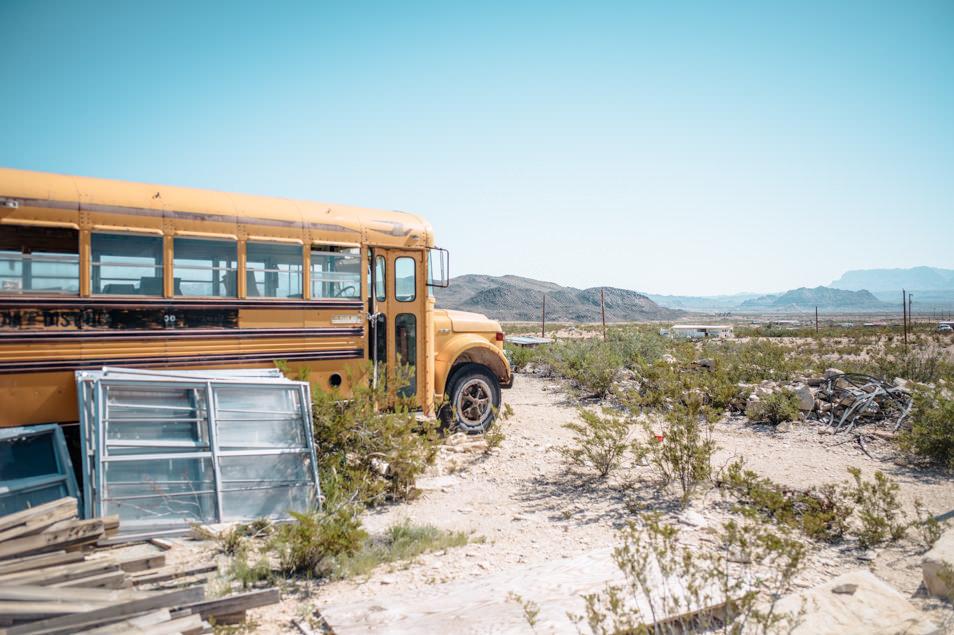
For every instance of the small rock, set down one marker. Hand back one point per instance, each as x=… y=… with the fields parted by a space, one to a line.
x=868 y=555
x=845 y=589
x=784 y=426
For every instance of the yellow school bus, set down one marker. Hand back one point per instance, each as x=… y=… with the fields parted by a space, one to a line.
x=98 y=273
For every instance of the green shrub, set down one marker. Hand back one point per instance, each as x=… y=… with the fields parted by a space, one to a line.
x=684 y=453
x=775 y=407
x=318 y=539
x=372 y=454
x=599 y=443
x=520 y=356
x=650 y=556
x=590 y=366
x=880 y=513
x=932 y=427
x=820 y=513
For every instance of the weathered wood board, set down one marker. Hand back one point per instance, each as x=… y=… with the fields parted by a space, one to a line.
x=485 y=605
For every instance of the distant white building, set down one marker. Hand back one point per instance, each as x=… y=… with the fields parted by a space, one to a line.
x=701 y=331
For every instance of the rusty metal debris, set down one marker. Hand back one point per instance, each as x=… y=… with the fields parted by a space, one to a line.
x=857 y=399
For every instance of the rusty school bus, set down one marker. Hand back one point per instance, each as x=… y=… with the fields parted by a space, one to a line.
x=100 y=273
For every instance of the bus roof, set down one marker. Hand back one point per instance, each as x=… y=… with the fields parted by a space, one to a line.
x=27 y=197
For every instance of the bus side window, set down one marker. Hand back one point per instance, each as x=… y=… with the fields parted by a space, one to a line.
x=335 y=272
x=405 y=287
x=126 y=264
x=39 y=259
x=205 y=268
x=273 y=270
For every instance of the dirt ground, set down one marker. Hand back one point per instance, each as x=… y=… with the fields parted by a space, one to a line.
x=519 y=501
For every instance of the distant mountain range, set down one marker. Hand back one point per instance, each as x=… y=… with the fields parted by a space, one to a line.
x=823 y=298
x=516 y=299
x=891 y=280
x=513 y=298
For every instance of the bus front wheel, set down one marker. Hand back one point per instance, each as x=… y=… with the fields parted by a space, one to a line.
x=474 y=400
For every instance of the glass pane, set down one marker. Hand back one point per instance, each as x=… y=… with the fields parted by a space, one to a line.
x=39 y=259
x=126 y=264
x=273 y=270
x=259 y=418
x=405 y=341
x=18 y=500
x=335 y=274
x=205 y=268
x=404 y=279
x=263 y=486
x=28 y=456
x=174 y=489
x=155 y=419
x=379 y=270
x=437 y=267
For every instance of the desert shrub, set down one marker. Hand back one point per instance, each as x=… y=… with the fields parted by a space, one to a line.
x=591 y=366
x=521 y=356
x=682 y=453
x=637 y=346
x=316 y=540
x=775 y=407
x=819 y=513
x=879 y=511
x=651 y=559
x=931 y=433
x=928 y=526
x=494 y=436
x=599 y=443
x=753 y=361
x=660 y=383
x=372 y=454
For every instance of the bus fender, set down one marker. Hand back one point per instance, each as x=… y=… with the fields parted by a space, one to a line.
x=466 y=349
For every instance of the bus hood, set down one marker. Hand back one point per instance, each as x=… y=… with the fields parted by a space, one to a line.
x=465 y=322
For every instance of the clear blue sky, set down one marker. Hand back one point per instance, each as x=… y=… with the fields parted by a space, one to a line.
x=666 y=147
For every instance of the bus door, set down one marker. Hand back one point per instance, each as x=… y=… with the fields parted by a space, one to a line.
x=397 y=297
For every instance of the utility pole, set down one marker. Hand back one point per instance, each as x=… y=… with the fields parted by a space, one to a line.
x=603 y=311
x=910 y=315
x=904 y=313
x=543 y=329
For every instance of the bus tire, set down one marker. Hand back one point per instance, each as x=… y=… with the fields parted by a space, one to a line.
x=474 y=399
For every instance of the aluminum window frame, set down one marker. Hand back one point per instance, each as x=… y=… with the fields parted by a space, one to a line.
x=206 y=453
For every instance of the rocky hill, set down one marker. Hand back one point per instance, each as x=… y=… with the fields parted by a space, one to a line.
x=825 y=298
x=513 y=299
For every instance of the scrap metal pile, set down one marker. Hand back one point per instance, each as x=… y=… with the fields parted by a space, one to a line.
x=848 y=400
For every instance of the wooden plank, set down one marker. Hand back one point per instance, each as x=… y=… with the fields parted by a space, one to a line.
x=483 y=605
x=77 y=533
x=36 y=514
x=111 y=525
x=172 y=573
x=108 y=580
x=37 y=522
x=53 y=559
x=52 y=575
x=234 y=603
x=142 y=563
x=186 y=625
x=76 y=622
x=28 y=593
x=165 y=545
x=39 y=610
x=126 y=626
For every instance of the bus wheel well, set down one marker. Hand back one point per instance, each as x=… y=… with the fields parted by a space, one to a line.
x=481 y=357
